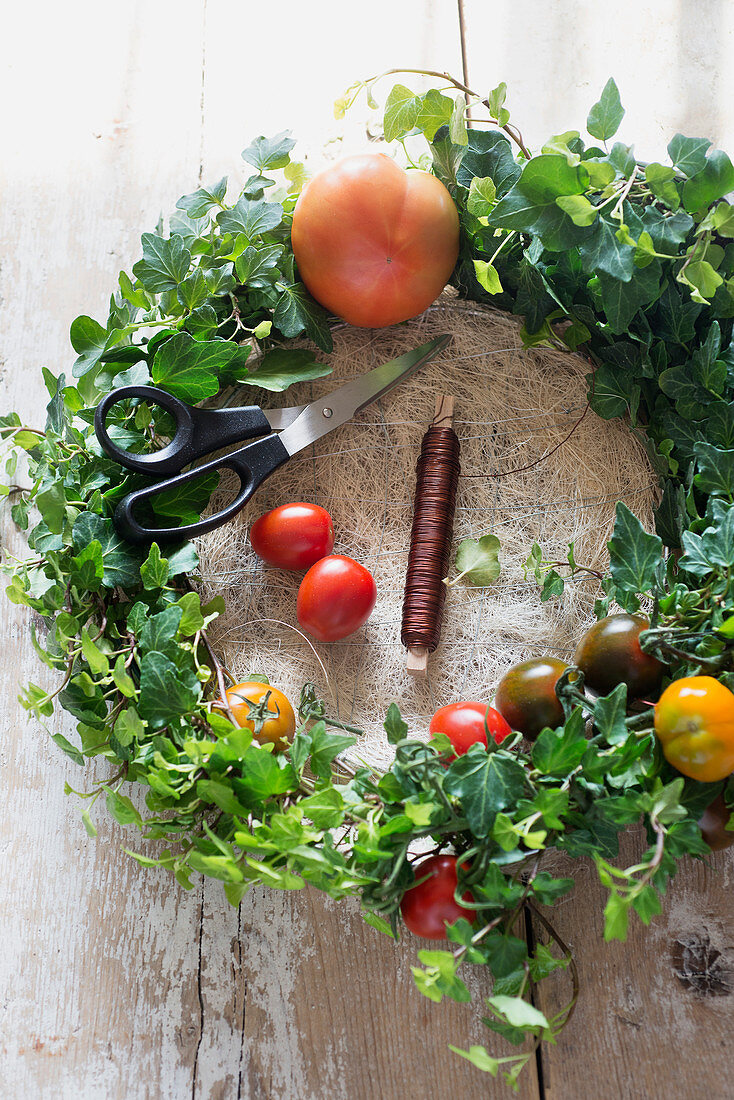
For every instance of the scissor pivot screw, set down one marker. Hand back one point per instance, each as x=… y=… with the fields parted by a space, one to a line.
x=328 y=412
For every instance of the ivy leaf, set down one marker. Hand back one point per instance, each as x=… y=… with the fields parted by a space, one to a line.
x=435 y=111
x=324 y=808
x=488 y=155
x=122 y=809
x=165 y=263
x=578 y=208
x=166 y=691
x=199 y=203
x=485 y=783
x=487 y=277
x=395 y=728
x=479 y=1057
x=402 y=108
x=296 y=312
x=477 y=560
x=282 y=367
x=269 y=153
x=558 y=752
x=325 y=747
x=519 y=1013
x=715 y=180
x=659 y=178
x=602 y=250
x=87 y=568
x=609 y=715
x=606 y=115
x=635 y=556
x=715 y=469
x=688 y=154
x=253 y=217
x=192 y=369
x=263 y=776
x=482 y=197
x=121 y=562
x=495 y=104
x=616 y=918
x=258 y=266
x=154 y=570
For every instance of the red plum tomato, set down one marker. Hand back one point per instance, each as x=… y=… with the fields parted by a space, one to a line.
x=375 y=244
x=293 y=536
x=526 y=696
x=428 y=907
x=609 y=654
x=466 y=724
x=335 y=598
x=244 y=701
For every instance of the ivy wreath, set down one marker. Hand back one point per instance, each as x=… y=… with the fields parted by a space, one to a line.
x=631 y=263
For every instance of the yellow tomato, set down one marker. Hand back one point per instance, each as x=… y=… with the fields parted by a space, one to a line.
x=694 y=721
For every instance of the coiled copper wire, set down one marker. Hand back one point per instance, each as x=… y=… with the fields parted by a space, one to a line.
x=437 y=477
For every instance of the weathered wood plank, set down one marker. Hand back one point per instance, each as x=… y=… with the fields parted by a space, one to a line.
x=99 y=960
x=649 y=1008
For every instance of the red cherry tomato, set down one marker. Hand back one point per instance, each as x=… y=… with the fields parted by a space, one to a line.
x=335 y=598
x=428 y=907
x=375 y=244
x=526 y=696
x=465 y=724
x=293 y=536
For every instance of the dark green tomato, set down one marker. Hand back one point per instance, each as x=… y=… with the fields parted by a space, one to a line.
x=712 y=824
x=526 y=696
x=609 y=654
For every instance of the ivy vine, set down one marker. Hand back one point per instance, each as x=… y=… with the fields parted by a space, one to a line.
x=630 y=262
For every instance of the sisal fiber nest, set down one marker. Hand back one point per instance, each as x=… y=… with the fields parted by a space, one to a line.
x=514 y=406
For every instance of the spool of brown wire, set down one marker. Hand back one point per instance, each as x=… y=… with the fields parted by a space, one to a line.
x=437 y=476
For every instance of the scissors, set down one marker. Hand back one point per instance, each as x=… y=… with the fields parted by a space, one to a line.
x=200 y=432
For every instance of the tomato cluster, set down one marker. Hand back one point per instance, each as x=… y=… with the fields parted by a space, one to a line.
x=337 y=595
x=608 y=654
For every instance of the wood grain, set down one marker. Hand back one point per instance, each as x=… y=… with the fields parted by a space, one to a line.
x=116 y=982
x=655 y=1014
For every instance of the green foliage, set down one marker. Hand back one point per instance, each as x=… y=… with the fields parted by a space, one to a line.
x=634 y=264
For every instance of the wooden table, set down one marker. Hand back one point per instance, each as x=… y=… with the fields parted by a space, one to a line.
x=116 y=982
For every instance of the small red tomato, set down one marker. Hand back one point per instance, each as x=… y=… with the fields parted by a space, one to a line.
x=335 y=598
x=526 y=696
x=466 y=724
x=293 y=536
x=428 y=907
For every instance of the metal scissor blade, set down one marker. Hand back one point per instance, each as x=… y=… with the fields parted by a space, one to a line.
x=282 y=418
x=340 y=405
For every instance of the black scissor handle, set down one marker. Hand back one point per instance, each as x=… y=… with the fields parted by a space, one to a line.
x=252 y=464
x=198 y=431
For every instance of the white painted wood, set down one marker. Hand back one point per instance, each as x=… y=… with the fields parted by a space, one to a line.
x=117 y=983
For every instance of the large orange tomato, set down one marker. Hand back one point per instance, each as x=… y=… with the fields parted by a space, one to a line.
x=694 y=721
x=375 y=244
